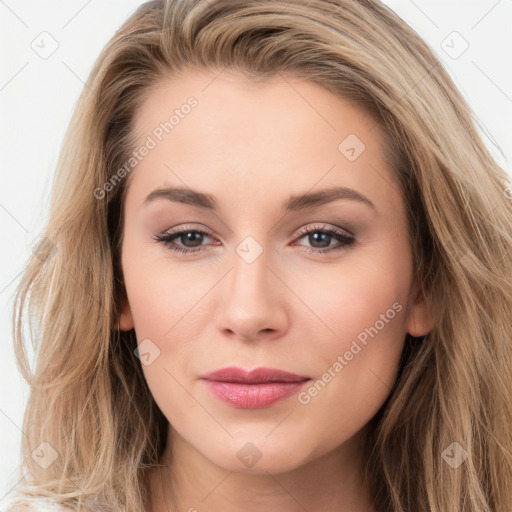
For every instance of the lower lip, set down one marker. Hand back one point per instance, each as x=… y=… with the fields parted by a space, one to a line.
x=252 y=396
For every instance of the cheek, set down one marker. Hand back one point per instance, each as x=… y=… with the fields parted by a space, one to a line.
x=362 y=307
x=347 y=298
x=169 y=302
x=163 y=293
x=357 y=359
x=164 y=305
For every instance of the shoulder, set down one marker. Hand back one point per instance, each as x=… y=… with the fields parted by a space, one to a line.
x=14 y=502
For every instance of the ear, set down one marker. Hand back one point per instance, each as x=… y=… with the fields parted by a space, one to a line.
x=421 y=319
x=126 y=318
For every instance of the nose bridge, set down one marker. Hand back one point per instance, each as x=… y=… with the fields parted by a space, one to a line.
x=250 y=301
x=250 y=272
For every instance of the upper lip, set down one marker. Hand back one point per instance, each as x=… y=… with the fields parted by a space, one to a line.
x=259 y=375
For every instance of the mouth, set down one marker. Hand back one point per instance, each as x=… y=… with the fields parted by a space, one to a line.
x=253 y=389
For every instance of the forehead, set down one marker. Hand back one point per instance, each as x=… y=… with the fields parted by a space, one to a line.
x=216 y=131
x=284 y=98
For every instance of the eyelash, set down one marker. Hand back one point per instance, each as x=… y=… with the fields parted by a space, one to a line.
x=346 y=241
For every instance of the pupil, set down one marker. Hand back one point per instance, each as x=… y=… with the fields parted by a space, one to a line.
x=191 y=236
x=325 y=237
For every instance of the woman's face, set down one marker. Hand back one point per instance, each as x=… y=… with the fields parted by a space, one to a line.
x=299 y=262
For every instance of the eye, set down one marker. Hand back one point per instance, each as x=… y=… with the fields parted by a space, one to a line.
x=319 y=236
x=190 y=238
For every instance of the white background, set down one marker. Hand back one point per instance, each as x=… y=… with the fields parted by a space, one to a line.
x=37 y=97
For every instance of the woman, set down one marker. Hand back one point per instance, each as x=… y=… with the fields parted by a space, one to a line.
x=335 y=333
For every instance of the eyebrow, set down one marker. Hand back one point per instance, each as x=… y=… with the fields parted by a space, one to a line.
x=294 y=203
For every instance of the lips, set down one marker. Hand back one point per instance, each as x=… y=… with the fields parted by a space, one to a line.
x=253 y=389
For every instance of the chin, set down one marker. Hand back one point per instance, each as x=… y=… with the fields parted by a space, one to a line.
x=258 y=456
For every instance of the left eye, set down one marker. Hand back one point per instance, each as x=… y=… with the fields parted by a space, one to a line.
x=324 y=236
x=191 y=239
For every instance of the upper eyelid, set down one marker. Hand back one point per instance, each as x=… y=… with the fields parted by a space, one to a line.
x=324 y=227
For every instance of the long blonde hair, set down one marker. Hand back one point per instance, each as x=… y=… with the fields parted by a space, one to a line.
x=89 y=400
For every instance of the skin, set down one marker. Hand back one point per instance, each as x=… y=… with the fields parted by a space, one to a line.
x=252 y=146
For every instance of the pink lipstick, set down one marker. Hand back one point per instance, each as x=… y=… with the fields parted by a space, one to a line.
x=253 y=389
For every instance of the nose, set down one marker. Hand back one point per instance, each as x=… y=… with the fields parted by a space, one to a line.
x=252 y=299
